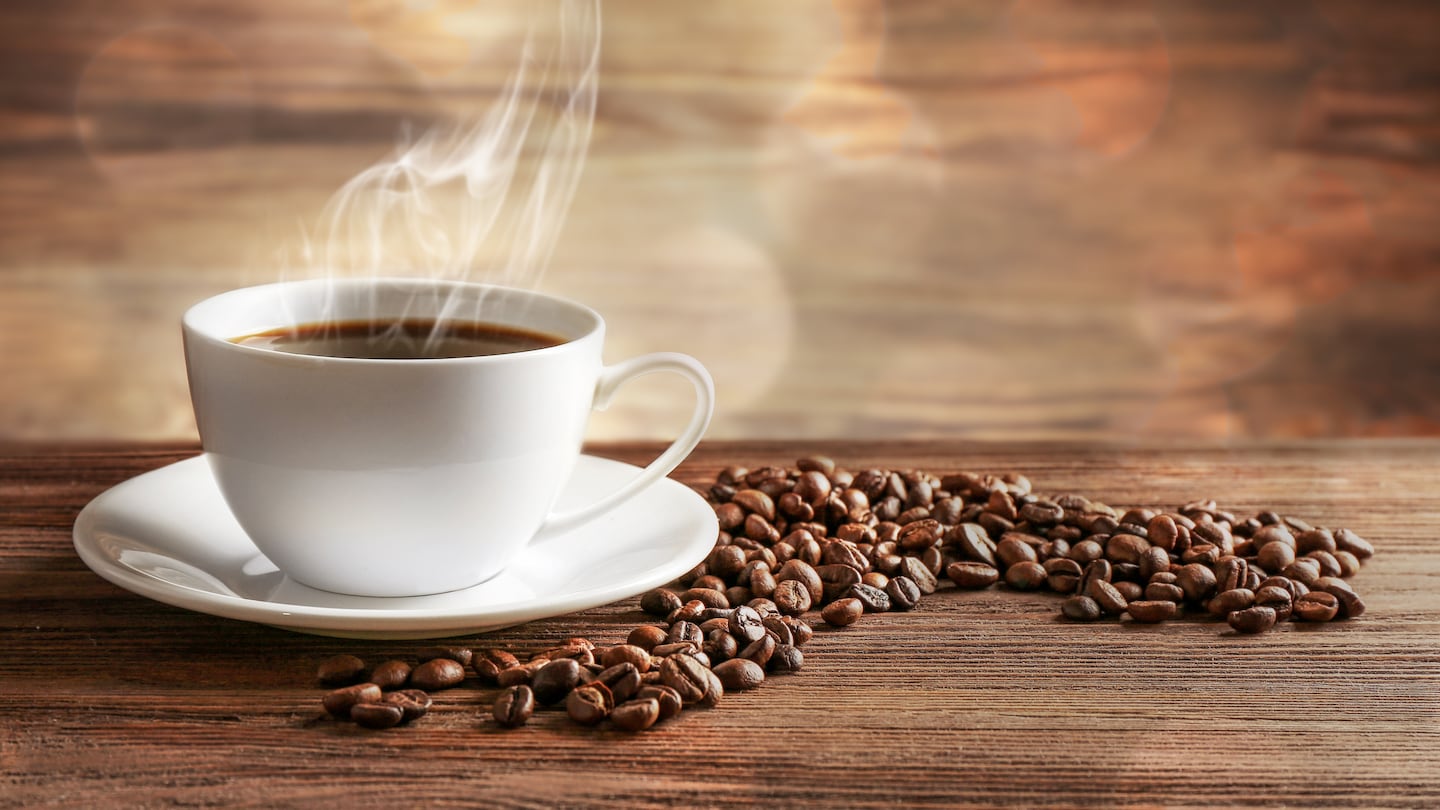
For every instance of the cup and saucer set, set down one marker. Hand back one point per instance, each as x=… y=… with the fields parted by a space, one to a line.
x=400 y=498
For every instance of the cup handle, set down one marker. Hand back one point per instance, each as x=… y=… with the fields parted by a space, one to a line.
x=611 y=378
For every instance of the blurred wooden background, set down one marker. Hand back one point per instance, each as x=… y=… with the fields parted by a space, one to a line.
x=1001 y=218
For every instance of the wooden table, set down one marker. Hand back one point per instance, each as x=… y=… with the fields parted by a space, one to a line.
x=975 y=698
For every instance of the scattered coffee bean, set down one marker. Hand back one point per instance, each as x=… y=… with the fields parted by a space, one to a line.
x=1151 y=612
x=376 y=715
x=437 y=674
x=903 y=592
x=514 y=706
x=1316 y=606
x=1252 y=620
x=686 y=676
x=340 y=701
x=552 y=682
x=460 y=655
x=391 y=674
x=972 y=575
x=739 y=674
x=589 y=704
x=1080 y=608
x=636 y=715
x=413 y=703
x=340 y=670
x=669 y=700
x=843 y=612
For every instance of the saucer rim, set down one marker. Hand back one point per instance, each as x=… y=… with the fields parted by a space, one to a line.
x=380 y=621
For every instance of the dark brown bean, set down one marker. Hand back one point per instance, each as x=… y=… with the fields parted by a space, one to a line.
x=1151 y=611
x=843 y=612
x=589 y=703
x=669 y=699
x=740 y=674
x=660 y=602
x=786 y=659
x=1080 y=608
x=1105 y=595
x=636 y=715
x=1316 y=606
x=971 y=575
x=1252 y=620
x=920 y=574
x=1347 y=540
x=873 y=600
x=792 y=598
x=514 y=706
x=552 y=682
x=339 y=702
x=460 y=655
x=904 y=593
x=686 y=676
x=340 y=670
x=804 y=573
x=376 y=715
x=413 y=703
x=646 y=637
x=391 y=674
x=437 y=674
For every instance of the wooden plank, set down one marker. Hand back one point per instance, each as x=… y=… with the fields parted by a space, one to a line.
x=973 y=699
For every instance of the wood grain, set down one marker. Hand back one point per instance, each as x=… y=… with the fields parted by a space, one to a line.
x=973 y=699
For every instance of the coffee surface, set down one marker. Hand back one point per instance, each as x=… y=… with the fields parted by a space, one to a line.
x=400 y=339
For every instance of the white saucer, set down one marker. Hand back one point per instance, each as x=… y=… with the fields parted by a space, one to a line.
x=168 y=535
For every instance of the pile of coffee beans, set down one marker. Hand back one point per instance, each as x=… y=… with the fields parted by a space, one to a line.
x=818 y=538
x=876 y=540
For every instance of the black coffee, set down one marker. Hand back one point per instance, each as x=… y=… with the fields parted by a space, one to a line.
x=400 y=339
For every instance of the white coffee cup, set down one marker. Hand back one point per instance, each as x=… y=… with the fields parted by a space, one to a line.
x=401 y=477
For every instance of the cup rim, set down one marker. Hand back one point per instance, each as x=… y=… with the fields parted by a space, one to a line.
x=193 y=329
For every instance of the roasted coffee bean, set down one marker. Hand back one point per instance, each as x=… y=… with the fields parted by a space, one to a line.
x=622 y=679
x=1013 y=549
x=1315 y=540
x=376 y=715
x=1275 y=556
x=800 y=630
x=1162 y=532
x=626 y=653
x=685 y=631
x=1086 y=551
x=514 y=707
x=460 y=655
x=686 y=676
x=1109 y=599
x=589 y=704
x=1080 y=608
x=1130 y=590
x=1227 y=602
x=1252 y=620
x=413 y=703
x=714 y=689
x=339 y=702
x=875 y=579
x=708 y=597
x=755 y=502
x=1329 y=566
x=746 y=625
x=340 y=670
x=904 y=593
x=521 y=675
x=1126 y=548
x=1062 y=575
x=971 y=575
x=1273 y=533
x=1160 y=591
x=1277 y=599
x=919 y=573
x=1303 y=570
x=740 y=674
x=1099 y=570
x=873 y=600
x=1152 y=611
x=973 y=543
x=720 y=645
x=669 y=700
x=760 y=650
x=552 y=682
x=786 y=659
x=1041 y=513
x=1153 y=562
x=1351 y=606
x=636 y=715
x=804 y=573
x=689 y=611
x=488 y=664
x=1316 y=606
x=792 y=598
x=647 y=637
x=390 y=674
x=437 y=674
x=1196 y=580
x=660 y=602
x=667 y=650
x=1346 y=540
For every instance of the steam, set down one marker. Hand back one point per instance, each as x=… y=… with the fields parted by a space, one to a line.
x=481 y=199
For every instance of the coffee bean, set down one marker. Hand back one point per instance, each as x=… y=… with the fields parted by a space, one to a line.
x=514 y=706
x=639 y=657
x=460 y=655
x=646 y=637
x=1013 y=549
x=1252 y=620
x=1086 y=551
x=437 y=674
x=919 y=573
x=740 y=674
x=686 y=676
x=1127 y=548
x=1196 y=580
x=669 y=699
x=413 y=703
x=1160 y=591
x=376 y=715
x=710 y=598
x=1277 y=599
x=843 y=612
x=1062 y=575
x=804 y=573
x=660 y=602
x=340 y=701
x=971 y=575
x=685 y=632
x=792 y=598
x=800 y=630
x=904 y=593
x=760 y=650
x=636 y=715
x=521 y=675
x=1104 y=594
x=1097 y=571
x=340 y=670
x=873 y=600
x=622 y=679
x=1351 y=606
x=1080 y=608
x=755 y=502
x=552 y=682
x=488 y=664
x=714 y=689
x=1316 y=606
x=667 y=650
x=1132 y=591
x=589 y=704
x=1151 y=612
x=1275 y=556
x=690 y=611
x=1162 y=532
x=786 y=659
x=390 y=674
x=1346 y=540
x=1227 y=602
